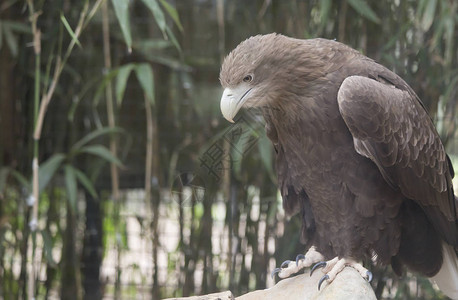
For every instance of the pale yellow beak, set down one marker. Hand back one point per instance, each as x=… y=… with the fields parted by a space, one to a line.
x=232 y=100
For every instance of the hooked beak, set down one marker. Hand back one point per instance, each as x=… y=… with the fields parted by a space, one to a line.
x=232 y=100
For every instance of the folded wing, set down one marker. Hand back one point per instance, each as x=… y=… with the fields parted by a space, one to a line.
x=390 y=126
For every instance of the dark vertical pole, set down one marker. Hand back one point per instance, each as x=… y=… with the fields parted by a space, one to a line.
x=91 y=259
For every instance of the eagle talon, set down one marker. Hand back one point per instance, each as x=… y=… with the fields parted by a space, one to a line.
x=369 y=276
x=325 y=277
x=298 y=258
x=275 y=271
x=285 y=264
x=321 y=264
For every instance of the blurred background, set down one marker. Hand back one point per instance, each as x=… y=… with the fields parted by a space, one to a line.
x=119 y=178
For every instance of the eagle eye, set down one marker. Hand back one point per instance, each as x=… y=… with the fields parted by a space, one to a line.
x=247 y=78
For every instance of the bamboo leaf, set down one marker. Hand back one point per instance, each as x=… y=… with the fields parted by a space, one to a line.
x=93 y=135
x=121 y=8
x=84 y=180
x=19 y=27
x=364 y=10
x=265 y=151
x=102 y=152
x=152 y=44
x=4 y=172
x=173 y=39
x=102 y=86
x=121 y=81
x=70 y=30
x=449 y=33
x=325 y=8
x=21 y=179
x=1 y=34
x=48 y=169
x=48 y=246
x=11 y=40
x=157 y=13
x=239 y=150
x=145 y=76
x=71 y=185
x=173 y=14
x=428 y=15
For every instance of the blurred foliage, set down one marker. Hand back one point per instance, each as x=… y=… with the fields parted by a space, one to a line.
x=230 y=227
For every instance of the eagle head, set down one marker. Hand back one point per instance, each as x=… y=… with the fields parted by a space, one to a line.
x=252 y=73
x=270 y=71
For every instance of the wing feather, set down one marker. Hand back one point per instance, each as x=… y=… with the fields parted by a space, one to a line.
x=390 y=126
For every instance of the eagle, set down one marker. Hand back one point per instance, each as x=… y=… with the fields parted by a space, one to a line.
x=357 y=157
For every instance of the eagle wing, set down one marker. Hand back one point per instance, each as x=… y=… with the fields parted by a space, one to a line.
x=391 y=127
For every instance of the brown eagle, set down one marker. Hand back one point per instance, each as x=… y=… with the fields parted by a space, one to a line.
x=357 y=156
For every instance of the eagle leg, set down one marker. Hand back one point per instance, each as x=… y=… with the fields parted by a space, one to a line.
x=334 y=266
x=288 y=267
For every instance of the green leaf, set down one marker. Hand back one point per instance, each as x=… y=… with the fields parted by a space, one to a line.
x=84 y=180
x=449 y=27
x=102 y=86
x=48 y=169
x=145 y=76
x=173 y=39
x=4 y=172
x=364 y=10
x=121 y=81
x=428 y=15
x=70 y=183
x=70 y=30
x=11 y=40
x=325 y=8
x=21 y=179
x=48 y=243
x=265 y=150
x=173 y=13
x=102 y=152
x=157 y=13
x=95 y=134
x=19 y=27
x=1 y=34
x=239 y=150
x=121 y=8
x=152 y=44
x=168 y=61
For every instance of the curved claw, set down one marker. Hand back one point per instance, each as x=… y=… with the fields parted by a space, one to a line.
x=369 y=276
x=275 y=271
x=298 y=258
x=285 y=264
x=321 y=264
x=325 y=277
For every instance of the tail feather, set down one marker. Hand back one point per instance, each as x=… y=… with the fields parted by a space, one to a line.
x=447 y=277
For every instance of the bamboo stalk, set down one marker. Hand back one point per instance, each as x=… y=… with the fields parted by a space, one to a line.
x=40 y=108
x=226 y=176
x=113 y=145
x=109 y=98
x=342 y=20
x=148 y=181
x=149 y=152
x=35 y=191
x=155 y=201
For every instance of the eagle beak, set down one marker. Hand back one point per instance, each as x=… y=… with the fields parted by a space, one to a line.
x=232 y=100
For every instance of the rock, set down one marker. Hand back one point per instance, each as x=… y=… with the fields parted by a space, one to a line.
x=348 y=285
x=217 y=296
